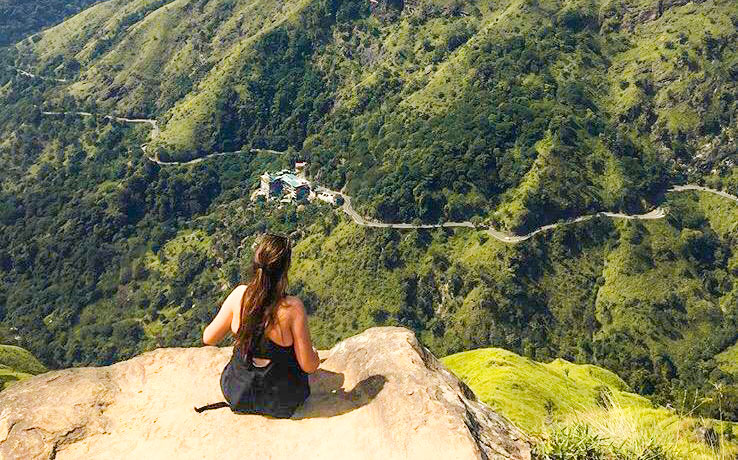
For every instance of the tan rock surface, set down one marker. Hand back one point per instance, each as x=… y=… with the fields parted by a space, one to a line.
x=378 y=395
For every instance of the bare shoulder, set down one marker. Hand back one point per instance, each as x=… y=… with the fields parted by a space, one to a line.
x=234 y=298
x=237 y=292
x=293 y=307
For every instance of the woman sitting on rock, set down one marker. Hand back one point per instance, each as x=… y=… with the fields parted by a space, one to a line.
x=273 y=353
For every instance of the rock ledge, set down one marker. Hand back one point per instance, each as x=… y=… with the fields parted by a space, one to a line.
x=379 y=394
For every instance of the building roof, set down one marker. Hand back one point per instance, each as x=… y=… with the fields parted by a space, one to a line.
x=292 y=180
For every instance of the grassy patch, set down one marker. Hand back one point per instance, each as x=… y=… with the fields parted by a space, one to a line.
x=17 y=364
x=584 y=411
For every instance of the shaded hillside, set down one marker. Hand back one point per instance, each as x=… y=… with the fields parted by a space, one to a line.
x=518 y=111
x=19 y=18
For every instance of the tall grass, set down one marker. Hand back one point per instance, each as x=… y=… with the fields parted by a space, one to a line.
x=583 y=412
x=619 y=432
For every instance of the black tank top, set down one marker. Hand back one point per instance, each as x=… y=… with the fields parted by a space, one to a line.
x=276 y=389
x=265 y=348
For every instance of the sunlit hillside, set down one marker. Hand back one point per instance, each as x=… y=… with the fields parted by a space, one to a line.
x=589 y=412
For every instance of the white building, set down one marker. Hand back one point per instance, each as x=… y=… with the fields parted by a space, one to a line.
x=327 y=197
x=284 y=183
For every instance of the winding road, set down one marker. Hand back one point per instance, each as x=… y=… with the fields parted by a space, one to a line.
x=505 y=237
x=25 y=73
x=156 y=160
x=699 y=188
x=154 y=133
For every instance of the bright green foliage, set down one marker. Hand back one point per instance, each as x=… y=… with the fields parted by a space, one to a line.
x=519 y=111
x=586 y=412
x=17 y=364
x=534 y=394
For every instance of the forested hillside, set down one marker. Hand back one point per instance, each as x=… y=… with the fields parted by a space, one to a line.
x=515 y=113
x=21 y=18
x=530 y=110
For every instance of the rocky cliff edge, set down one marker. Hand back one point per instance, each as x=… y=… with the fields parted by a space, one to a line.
x=379 y=394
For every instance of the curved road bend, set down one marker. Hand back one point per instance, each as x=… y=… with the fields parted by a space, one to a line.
x=505 y=237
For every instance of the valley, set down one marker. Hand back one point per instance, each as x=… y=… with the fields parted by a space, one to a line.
x=532 y=187
x=506 y=237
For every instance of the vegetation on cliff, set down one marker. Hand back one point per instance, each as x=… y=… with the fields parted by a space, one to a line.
x=587 y=412
x=17 y=364
x=517 y=112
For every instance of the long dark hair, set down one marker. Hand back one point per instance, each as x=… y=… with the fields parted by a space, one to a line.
x=267 y=286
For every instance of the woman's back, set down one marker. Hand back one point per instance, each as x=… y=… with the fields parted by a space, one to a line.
x=276 y=388
x=273 y=352
x=279 y=333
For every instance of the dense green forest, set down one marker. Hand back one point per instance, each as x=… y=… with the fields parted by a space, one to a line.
x=516 y=113
x=519 y=112
x=20 y=18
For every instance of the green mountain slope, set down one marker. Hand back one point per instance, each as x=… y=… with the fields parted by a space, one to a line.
x=543 y=398
x=17 y=364
x=654 y=301
x=141 y=255
x=19 y=18
x=518 y=111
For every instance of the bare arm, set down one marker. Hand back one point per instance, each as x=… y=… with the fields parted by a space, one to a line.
x=307 y=356
x=221 y=324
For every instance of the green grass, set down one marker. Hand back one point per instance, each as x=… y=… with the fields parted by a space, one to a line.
x=546 y=399
x=17 y=364
x=531 y=393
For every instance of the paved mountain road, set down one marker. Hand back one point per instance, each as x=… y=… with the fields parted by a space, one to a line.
x=505 y=237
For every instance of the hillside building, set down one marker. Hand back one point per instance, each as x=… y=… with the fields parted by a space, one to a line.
x=284 y=184
x=327 y=197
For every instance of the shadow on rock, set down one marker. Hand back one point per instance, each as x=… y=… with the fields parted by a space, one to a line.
x=328 y=398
